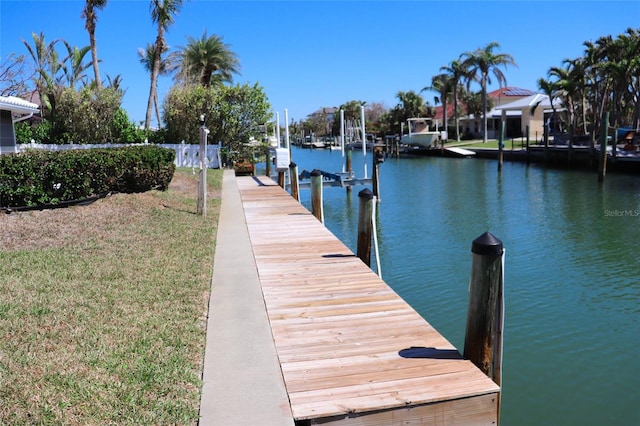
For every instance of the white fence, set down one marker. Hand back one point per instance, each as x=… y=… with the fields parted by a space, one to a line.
x=187 y=155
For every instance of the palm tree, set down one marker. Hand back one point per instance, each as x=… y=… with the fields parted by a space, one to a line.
x=457 y=73
x=207 y=60
x=412 y=104
x=442 y=84
x=75 y=69
x=90 y=16
x=162 y=14
x=47 y=66
x=147 y=58
x=480 y=64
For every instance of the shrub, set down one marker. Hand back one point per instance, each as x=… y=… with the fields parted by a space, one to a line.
x=35 y=178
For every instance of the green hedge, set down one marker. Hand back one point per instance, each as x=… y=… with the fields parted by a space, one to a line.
x=35 y=178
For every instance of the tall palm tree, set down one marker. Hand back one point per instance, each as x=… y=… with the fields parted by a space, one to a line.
x=442 y=84
x=207 y=60
x=147 y=58
x=91 y=17
x=162 y=14
x=480 y=64
x=457 y=74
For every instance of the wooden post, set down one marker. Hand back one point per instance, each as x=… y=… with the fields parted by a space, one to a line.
x=570 y=155
x=316 y=195
x=545 y=136
x=281 y=182
x=365 y=225
x=483 y=338
x=378 y=158
x=348 y=165
x=528 y=158
x=267 y=156
x=501 y=143
x=202 y=176
x=604 y=127
x=295 y=189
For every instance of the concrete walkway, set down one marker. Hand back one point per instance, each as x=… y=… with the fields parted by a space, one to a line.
x=243 y=383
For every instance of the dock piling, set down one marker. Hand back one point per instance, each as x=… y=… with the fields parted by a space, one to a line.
x=378 y=159
x=267 y=161
x=316 y=195
x=365 y=225
x=483 y=337
x=295 y=188
x=602 y=164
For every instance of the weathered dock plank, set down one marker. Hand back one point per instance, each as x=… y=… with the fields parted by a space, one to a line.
x=352 y=352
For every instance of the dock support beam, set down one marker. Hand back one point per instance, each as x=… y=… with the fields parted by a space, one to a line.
x=293 y=174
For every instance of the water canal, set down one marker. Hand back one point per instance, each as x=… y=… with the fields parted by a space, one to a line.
x=572 y=271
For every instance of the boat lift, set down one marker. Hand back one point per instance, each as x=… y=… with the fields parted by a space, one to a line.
x=339 y=179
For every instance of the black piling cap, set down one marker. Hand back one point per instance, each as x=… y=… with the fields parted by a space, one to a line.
x=316 y=172
x=487 y=244
x=292 y=165
x=366 y=194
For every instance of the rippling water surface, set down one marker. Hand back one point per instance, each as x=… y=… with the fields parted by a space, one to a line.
x=572 y=272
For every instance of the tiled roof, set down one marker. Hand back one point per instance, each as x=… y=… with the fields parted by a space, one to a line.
x=17 y=105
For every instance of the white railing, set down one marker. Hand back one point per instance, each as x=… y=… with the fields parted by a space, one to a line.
x=187 y=155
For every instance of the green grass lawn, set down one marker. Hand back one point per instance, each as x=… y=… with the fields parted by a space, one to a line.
x=103 y=308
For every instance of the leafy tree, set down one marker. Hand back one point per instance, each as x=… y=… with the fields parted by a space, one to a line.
x=89 y=14
x=88 y=115
x=207 y=60
x=232 y=113
x=14 y=75
x=162 y=14
x=480 y=64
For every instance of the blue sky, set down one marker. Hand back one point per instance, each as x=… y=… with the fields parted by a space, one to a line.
x=311 y=54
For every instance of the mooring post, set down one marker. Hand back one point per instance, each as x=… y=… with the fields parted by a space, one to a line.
x=365 y=225
x=545 y=136
x=483 y=337
x=295 y=189
x=316 y=195
x=604 y=127
x=378 y=158
x=348 y=164
x=267 y=156
x=281 y=182
x=501 y=143
x=348 y=160
x=527 y=130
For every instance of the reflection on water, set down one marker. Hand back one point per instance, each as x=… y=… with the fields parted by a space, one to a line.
x=572 y=332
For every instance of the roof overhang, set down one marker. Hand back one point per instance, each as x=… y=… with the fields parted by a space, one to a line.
x=17 y=105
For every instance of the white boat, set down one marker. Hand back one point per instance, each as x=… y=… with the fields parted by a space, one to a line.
x=419 y=133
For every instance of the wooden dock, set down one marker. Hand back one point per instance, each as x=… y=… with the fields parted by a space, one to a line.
x=352 y=352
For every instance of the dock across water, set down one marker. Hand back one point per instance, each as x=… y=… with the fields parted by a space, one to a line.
x=343 y=347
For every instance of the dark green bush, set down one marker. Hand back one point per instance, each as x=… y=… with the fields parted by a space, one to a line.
x=50 y=177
